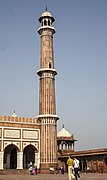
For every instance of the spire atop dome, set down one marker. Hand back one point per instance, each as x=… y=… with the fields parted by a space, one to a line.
x=63 y=126
x=46 y=8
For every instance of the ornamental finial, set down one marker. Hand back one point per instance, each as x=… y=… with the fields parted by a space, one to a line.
x=46 y=8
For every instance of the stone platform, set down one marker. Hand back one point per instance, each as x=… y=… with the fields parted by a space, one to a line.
x=51 y=177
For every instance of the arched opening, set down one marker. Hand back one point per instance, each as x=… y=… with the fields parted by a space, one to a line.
x=10 y=157
x=45 y=22
x=28 y=155
x=106 y=161
x=50 y=65
x=84 y=165
x=80 y=164
x=49 y=23
x=13 y=159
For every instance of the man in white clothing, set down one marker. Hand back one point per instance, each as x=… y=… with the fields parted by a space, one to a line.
x=76 y=169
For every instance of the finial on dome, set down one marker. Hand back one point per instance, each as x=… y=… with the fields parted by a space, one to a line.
x=14 y=114
x=63 y=126
x=46 y=8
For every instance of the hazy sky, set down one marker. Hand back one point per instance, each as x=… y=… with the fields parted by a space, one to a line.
x=80 y=54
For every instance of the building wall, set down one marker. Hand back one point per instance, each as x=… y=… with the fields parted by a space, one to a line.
x=96 y=162
x=19 y=134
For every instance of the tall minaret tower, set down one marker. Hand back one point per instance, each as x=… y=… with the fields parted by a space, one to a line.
x=47 y=106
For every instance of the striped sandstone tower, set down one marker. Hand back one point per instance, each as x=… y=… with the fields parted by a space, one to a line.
x=47 y=106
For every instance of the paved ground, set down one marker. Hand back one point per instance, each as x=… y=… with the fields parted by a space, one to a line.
x=52 y=177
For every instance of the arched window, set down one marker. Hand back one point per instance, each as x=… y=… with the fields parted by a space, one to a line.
x=48 y=22
x=45 y=22
x=50 y=65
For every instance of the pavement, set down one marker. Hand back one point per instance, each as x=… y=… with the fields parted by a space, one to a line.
x=52 y=177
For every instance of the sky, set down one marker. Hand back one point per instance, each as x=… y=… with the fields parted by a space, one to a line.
x=80 y=55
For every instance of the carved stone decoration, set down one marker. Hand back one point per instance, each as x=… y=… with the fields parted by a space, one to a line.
x=12 y=133
x=35 y=144
x=7 y=143
x=30 y=134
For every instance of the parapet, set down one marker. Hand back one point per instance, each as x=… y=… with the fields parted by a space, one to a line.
x=18 y=120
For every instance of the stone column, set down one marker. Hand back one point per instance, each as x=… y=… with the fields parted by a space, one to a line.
x=82 y=166
x=37 y=160
x=73 y=146
x=19 y=160
x=1 y=160
x=66 y=146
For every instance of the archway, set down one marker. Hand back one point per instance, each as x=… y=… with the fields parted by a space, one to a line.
x=28 y=155
x=10 y=157
x=106 y=161
x=84 y=165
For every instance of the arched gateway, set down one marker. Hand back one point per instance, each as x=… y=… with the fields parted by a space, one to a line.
x=11 y=156
x=20 y=142
x=29 y=155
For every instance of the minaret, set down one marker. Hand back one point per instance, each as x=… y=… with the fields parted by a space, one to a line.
x=47 y=106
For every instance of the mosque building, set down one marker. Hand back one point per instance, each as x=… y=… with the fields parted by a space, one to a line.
x=24 y=140
x=34 y=139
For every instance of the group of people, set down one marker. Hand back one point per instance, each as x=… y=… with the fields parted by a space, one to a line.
x=73 y=168
x=32 y=169
x=57 y=170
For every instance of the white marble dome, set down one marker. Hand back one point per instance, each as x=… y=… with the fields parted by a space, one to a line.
x=63 y=133
x=46 y=13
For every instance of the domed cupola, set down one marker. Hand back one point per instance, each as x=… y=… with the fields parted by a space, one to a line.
x=63 y=133
x=46 y=20
x=65 y=141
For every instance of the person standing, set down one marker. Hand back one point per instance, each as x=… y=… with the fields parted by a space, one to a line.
x=76 y=169
x=30 y=168
x=62 y=170
x=70 y=164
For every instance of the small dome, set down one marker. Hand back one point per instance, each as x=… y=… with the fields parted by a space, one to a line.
x=63 y=133
x=14 y=114
x=46 y=13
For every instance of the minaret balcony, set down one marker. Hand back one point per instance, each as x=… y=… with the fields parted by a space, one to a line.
x=47 y=70
x=47 y=116
x=42 y=28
